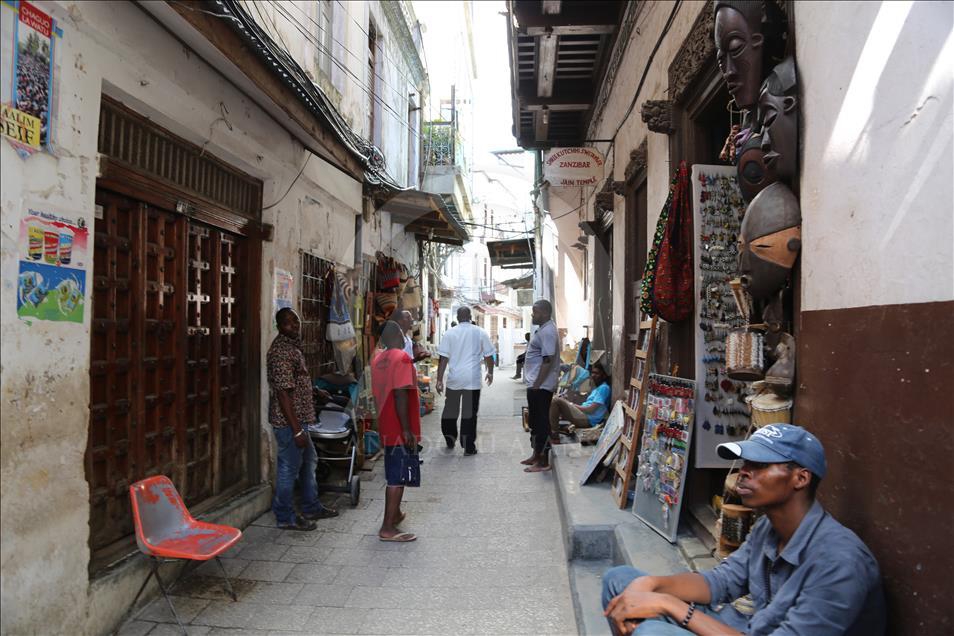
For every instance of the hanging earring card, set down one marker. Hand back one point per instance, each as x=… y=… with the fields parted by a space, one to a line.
x=664 y=453
x=721 y=410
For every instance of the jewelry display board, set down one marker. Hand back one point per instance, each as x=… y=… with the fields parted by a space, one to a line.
x=664 y=452
x=721 y=411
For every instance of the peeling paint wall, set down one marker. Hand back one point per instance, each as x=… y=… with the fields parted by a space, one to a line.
x=115 y=48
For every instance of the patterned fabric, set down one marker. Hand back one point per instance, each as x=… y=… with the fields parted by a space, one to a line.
x=286 y=370
x=672 y=293
x=649 y=273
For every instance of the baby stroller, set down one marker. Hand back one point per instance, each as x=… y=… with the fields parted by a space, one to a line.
x=336 y=440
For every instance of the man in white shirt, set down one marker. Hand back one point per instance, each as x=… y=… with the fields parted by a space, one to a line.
x=462 y=349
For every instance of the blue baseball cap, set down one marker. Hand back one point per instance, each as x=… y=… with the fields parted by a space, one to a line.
x=777 y=444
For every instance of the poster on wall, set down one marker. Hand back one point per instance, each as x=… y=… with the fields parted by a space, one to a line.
x=53 y=257
x=28 y=96
x=283 y=293
x=721 y=411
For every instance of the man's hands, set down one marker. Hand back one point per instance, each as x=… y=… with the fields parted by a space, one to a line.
x=632 y=607
x=300 y=437
x=489 y=378
x=410 y=442
x=439 y=387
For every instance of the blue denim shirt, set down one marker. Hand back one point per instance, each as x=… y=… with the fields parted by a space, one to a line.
x=826 y=581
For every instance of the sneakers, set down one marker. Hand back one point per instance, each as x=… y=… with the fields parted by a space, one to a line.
x=301 y=524
x=324 y=513
x=472 y=451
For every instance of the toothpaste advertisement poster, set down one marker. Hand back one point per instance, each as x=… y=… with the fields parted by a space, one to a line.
x=53 y=251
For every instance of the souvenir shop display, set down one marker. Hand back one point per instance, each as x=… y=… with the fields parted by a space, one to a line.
x=769 y=408
x=606 y=443
x=664 y=452
x=729 y=355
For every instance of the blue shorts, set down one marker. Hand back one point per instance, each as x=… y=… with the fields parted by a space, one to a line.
x=401 y=468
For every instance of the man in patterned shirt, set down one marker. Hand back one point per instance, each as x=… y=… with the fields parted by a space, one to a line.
x=290 y=410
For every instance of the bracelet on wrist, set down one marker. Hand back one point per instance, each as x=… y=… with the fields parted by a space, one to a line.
x=300 y=432
x=685 y=621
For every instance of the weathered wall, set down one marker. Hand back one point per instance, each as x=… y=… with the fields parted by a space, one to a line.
x=877 y=283
x=117 y=49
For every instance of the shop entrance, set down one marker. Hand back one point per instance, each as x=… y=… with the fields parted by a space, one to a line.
x=173 y=334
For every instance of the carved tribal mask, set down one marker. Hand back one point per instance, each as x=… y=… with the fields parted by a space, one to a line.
x=778 y=110
x=738 y=40
x=753 y=171
x=769 y=240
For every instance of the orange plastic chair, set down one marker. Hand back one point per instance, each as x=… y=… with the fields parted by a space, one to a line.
x=165 y=531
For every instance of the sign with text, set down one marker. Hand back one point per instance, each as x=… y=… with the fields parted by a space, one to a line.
x=571 y=167
x=28 y=95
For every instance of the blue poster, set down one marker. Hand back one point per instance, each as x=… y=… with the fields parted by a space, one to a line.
x=48 y=292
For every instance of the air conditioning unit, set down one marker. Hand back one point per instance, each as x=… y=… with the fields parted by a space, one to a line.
x=524 y=298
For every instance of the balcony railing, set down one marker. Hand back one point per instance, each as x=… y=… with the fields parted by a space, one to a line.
x=443 y=145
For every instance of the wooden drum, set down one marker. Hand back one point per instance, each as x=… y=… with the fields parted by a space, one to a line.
x=736 y=522
x=744 y=358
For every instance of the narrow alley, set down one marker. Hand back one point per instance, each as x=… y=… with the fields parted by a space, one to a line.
x=489 y=558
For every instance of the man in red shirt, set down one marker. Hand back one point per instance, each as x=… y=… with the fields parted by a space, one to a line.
x=394 y=383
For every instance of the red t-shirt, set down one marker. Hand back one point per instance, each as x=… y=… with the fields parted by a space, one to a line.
x=392 y=369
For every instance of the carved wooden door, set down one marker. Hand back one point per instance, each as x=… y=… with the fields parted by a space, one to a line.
x=166 y=393
x=134 y=375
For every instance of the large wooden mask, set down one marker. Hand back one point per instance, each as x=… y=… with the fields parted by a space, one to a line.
x=739 y=40
x=769 y=241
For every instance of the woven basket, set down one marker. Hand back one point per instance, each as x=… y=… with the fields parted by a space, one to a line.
x=589 y=435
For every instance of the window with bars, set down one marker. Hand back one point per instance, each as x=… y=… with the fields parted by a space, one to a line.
x=316 y=278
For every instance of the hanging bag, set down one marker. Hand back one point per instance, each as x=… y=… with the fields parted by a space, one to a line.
x=339 y=320
x=672 y=282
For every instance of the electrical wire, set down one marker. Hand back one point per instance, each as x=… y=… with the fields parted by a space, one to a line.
x=292 y=185
x=370 y=92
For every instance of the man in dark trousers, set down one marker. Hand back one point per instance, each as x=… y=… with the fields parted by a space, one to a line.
x=394 y=384
x=540 y=373
x=461 y=350
x=521 y=359
x=806 y=573
x=291 y=409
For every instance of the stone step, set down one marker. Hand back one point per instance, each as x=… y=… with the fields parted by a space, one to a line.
x=586 y=587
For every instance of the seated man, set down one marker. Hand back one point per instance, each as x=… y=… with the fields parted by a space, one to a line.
x=590 y=413
x=520 y=360
x=806 y=573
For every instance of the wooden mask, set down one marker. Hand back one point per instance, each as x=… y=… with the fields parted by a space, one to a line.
x=754 y=173
x=778 y=110
x=738 y=41
x=769 y=240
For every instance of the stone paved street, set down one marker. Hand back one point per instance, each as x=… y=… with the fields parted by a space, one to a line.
x=489 y=558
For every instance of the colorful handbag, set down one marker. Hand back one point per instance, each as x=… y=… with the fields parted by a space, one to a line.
x=648 y=282
x=673 y=280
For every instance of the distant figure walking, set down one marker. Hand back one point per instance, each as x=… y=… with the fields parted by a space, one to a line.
x=540 y=372
x=521 y=359
x=462 y=349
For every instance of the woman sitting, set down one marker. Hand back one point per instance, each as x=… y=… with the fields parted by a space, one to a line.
x=593 y=410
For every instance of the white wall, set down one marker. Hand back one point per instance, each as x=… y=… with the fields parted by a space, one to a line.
x=877 y=192
x=116 y=48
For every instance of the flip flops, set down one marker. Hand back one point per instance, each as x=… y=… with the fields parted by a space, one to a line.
x=401 y=537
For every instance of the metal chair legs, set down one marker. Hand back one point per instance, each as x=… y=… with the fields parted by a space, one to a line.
x=228 y=582
x=155 y=570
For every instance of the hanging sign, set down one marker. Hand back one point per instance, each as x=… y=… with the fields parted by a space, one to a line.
x=27 y=99
x=52 y=277
x=569 y=167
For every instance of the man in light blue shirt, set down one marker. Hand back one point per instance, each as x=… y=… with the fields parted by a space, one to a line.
x=806 y=573
x=540 y=373
x=591 y=413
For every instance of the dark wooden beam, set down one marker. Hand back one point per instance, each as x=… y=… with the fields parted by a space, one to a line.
x=546 y=64
x=575 y=29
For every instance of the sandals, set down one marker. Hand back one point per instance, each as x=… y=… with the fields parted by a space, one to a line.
x=401 y=537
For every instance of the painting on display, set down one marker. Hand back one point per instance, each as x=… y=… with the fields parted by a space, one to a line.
x=53 y=249
x=28 y=97
x=608 y=438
